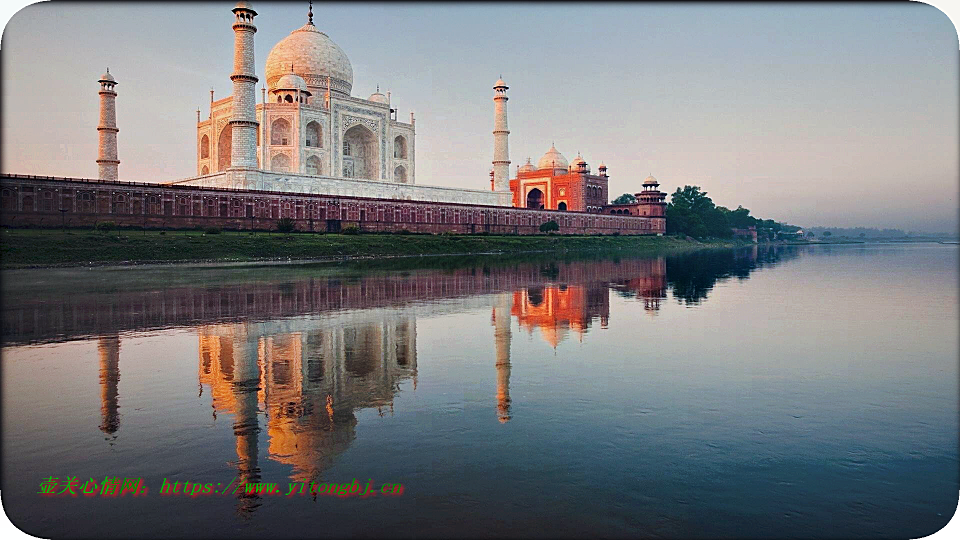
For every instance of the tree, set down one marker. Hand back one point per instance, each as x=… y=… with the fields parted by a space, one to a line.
x=626 y=198
x=549 y=226
x=827 y=234
x=285 y=225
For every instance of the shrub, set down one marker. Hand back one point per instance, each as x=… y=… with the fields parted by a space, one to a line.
x=212 y=230
x=549 y=226
x=106 y=226
x=403 y=231
x=353 y=229
x=286 y=225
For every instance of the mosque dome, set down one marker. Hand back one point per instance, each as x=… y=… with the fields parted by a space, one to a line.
x=651 y=181
x=553 y=159
x=291 y=81
x=314 y=57
x=527 y=167
x=107 y=77
x=577 y=163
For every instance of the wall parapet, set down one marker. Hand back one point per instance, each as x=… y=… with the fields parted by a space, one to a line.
x=39 y=201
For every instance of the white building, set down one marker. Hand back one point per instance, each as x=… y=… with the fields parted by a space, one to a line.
x=312 y=136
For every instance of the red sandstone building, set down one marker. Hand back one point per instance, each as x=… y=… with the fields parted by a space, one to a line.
x=650 y=202
x=553 y=184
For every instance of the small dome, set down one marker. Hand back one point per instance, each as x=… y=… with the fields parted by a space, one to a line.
x=651 y=181
x=291 y=81
x=107 y=77
x=527 y=167
x=243 y=5
x=579 y=162
x=553 y=159
x=500 y=84
x=602 y=166
x=377 y=97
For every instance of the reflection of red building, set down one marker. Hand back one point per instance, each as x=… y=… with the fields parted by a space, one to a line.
x=553 y=184
x=650 y=286
x=557 y=309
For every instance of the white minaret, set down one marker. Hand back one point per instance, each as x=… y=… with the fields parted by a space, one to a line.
x=501 y=153
x=244 y=121
x=107 y=129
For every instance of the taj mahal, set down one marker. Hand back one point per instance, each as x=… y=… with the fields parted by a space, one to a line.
x=308 y=134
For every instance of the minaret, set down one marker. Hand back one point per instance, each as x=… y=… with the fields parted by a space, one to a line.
x=501 y=333
x=244 y=121
x=501 y=153
x=107 y=155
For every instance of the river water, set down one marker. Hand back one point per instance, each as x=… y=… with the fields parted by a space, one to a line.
x=791 y=392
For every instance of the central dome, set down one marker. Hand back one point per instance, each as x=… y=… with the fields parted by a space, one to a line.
x=314 y=57
x=553 y=159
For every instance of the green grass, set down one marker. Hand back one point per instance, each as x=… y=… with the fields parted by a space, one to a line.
x=53 y=247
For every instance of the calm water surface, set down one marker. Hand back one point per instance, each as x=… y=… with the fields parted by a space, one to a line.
x=801 y=392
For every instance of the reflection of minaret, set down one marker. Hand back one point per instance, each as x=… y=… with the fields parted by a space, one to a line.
x=109 y=349
x=246 y=385
x=501 y=333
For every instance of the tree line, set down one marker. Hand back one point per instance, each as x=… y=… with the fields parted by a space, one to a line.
x=691 y=212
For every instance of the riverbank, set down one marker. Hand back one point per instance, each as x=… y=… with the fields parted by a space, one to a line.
x=34 y=248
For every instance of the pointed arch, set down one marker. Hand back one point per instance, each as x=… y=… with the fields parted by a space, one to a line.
x=204 y=147
x=224 y=148
x=314 y=135
x=400 y=174
x=280 y=132
x=361 y=153
x=280 y=163
x=400 y=147
x=314 y=166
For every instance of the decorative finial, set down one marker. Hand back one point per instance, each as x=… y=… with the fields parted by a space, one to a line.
x=378 y=88
x=310 y=14
x=108 y=70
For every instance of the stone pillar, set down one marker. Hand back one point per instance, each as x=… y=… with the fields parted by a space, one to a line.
x=244 y=120
x=502 y=336
x=107 y=160
x=501 y=153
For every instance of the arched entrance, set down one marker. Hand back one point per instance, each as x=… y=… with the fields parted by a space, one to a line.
x=400 y=175
x=360 y=154
x=314 y=165
x=224 y=148
x=562 y=207
x=535 y=198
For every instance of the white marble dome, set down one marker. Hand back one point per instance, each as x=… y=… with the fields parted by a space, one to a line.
x=650 y=181
x=377 y=97
x=107 y=77
x=553 y=159
x=314 y=57
x=291 y=81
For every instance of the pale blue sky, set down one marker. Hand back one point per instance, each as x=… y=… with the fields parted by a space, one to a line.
x=836 y=115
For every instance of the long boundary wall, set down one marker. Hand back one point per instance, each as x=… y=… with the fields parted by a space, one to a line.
x=39 y=201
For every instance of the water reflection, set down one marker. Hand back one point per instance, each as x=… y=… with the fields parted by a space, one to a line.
x=109 y=349
x=291 y=355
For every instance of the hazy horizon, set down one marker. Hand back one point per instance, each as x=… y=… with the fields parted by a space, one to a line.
x=816 y=115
